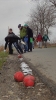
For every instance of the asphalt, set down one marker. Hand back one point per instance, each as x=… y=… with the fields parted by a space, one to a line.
x=44 y=63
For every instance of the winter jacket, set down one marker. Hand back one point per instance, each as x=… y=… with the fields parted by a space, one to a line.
x=22 y=32
x=45 y=37
x=12 y=37
x=39 y=38
x=29 y=32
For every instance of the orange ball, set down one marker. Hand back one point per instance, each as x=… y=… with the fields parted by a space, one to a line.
x=19 y=76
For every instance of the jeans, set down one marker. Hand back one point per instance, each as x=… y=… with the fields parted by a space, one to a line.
x=18 y=48
x=26 y=47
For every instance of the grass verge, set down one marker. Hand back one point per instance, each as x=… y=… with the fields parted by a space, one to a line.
x=3 y=57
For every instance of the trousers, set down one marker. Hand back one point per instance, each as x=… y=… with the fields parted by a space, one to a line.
x=18 y=48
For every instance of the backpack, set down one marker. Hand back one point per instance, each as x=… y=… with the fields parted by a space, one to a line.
x=45 y=37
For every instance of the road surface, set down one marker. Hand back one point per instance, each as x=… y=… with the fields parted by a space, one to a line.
x=44 y=60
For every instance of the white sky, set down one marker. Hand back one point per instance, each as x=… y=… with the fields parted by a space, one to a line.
x=12 y=13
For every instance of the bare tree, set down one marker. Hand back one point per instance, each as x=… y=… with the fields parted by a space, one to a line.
x=42 y=18
x=33 y=25
x=53 y=2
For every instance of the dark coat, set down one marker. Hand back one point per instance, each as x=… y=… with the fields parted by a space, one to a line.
x=12 y=37
x=45 y=37
x=29 y=32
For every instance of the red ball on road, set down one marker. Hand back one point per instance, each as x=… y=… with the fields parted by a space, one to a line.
x=29 y=77
x=29 y=80
x=19 y=76
x=19 y=56
x=29 y=83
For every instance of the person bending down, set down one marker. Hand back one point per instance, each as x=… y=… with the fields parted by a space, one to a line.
x=12 y=39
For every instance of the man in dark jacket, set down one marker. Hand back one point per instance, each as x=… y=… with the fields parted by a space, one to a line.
x=12 y=38
x=30 y=37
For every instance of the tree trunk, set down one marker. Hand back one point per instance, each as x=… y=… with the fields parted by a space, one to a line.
x=47 y=31
x=41 y=28
x=37 y=30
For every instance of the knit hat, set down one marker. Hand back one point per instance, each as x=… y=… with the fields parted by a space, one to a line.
x=19 y=25
x=25 y=25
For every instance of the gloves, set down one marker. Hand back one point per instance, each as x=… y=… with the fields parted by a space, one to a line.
x=4 y=50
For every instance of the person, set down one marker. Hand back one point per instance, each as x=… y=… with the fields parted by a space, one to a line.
x=45 y=38
x=12 y=39
x=7 y=42
x=30 y=37
x=39 y=40
x=22 y=31
x=23 y=34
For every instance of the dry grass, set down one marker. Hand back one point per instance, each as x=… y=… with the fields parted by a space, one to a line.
x=48 y=45
x=51 y=45
x=1 y=48
x=3 y=58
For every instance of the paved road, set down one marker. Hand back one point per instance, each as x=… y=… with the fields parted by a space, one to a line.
x=44 y=60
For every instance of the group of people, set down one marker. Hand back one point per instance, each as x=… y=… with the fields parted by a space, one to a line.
x=42 y=40
x=26 y=40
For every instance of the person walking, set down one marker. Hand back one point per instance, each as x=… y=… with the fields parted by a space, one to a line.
x=39 y=40
x=45 y=39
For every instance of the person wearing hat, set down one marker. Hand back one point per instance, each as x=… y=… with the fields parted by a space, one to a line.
x=23 y=34
x=11 y=38
x=22 y=31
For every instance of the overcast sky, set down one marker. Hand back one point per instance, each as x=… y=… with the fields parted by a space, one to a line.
x=13 y=12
